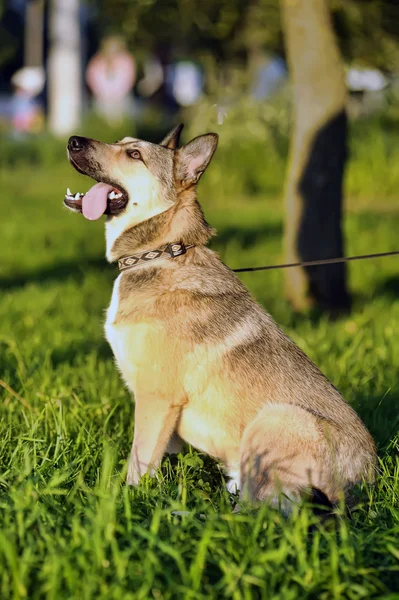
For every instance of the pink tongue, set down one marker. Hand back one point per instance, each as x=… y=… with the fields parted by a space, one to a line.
x=94 y=202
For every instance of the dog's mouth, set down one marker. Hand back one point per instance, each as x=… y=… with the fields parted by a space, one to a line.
x=102 y=199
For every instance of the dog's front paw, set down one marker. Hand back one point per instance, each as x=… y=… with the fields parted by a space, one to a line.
x=133 y=477
x=137 y=469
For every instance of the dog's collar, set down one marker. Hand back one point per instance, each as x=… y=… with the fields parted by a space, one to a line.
x=166 y=251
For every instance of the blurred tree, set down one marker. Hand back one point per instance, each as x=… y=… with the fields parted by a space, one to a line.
x=64 y=67
x=151 y=24
x=368 y=30
x=317 y=157
x=34 y=24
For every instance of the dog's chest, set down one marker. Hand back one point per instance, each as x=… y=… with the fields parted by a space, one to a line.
x=125 y=339
x=138 y=346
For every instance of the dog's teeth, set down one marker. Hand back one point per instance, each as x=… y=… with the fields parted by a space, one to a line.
x=77 y=196
x=112 y=195
x=118 y=195
x=69 y=193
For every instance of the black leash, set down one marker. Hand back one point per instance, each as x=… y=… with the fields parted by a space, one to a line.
x=314 y=263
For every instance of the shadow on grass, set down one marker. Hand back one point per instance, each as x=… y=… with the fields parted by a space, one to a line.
x=379 y=414
x=75 y=354
x=388 y=287
x=76 y=270
x=247 y=237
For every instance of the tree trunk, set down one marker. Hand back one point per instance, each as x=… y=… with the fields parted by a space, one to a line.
x=317 y=157
x=65 y=80
x=33 y=42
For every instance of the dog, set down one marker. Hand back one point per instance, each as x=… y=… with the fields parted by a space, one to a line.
x=206 y=364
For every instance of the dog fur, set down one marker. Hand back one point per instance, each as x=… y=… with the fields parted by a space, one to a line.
x=206 y=364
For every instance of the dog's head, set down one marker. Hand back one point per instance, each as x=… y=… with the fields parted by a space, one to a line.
x=136 y=179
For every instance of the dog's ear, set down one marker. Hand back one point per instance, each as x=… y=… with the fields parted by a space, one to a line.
x=172 y=139
x=193 y=158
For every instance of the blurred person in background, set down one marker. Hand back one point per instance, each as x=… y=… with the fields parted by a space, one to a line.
x=149 y=86
x=153 y=77
x=111 y=75
x=27 y=115
x=270 y=74
x=184 y=83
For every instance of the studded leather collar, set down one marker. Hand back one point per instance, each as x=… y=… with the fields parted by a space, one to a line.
x=167 y=251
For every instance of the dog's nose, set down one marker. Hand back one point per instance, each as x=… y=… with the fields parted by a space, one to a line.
x=76 y=143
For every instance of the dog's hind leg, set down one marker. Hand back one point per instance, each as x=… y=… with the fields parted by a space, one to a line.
x=284 y=455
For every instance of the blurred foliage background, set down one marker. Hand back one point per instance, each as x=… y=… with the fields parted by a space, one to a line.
x=227 y=30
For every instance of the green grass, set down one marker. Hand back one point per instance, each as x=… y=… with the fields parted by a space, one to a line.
x=69 y=527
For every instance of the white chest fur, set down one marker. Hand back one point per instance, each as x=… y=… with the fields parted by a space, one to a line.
x=111 y=329
x=120 y=339
x=113 y=307
x=132 y=343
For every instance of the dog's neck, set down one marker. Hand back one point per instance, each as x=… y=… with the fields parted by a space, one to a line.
x=183 y=222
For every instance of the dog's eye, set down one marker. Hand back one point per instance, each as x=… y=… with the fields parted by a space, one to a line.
x=135 y=154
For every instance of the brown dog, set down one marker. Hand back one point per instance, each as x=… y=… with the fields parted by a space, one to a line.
x=205 y=362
